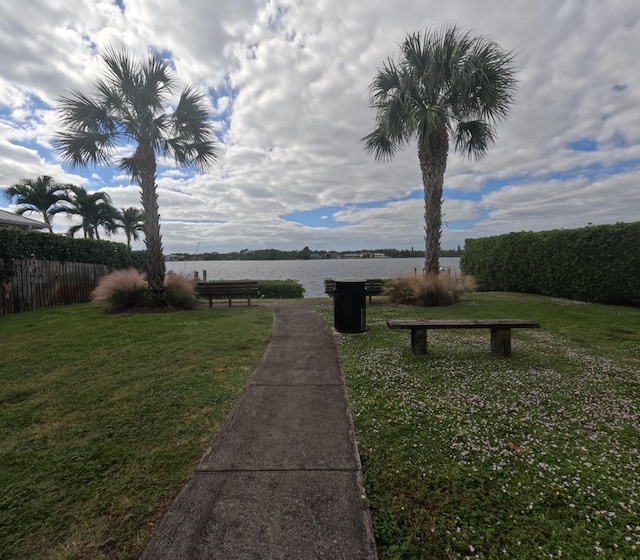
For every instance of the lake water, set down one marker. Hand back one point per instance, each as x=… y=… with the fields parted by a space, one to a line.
x=312 y=273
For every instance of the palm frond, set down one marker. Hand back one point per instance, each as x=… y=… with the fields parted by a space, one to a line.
x=473 y=138
x=81 y=150
x=385 y=83
x=192 y=139
x=90 y=131
x=74 y=229
x=378 y=143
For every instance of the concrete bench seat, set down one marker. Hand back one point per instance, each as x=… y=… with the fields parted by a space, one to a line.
x=500 y=330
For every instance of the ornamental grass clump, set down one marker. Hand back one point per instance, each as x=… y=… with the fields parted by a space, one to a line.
x=430 y=290
x=181 y=291
x=128 y=289
x=122 y=289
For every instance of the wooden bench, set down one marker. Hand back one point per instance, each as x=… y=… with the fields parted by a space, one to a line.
x=371 y=287
x=500 y=330
x=329 y=287
x=236 y=289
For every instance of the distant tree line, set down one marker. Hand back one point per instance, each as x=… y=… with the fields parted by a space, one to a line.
x=304 y=254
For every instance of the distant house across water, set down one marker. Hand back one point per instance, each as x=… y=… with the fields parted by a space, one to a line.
x=365 y=255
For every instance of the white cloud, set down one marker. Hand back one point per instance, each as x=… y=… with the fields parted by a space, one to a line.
x=293 y=78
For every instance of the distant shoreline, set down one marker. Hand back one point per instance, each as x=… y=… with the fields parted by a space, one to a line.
x=305 y=254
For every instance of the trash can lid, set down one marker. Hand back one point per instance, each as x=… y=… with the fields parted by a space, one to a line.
x=350 y=287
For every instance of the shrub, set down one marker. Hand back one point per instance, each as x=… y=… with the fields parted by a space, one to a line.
x=280 y=289
x=127 y=289
x=181 y=291
x=122 y=289
x=28 y=244
x=401 y=290
x=597 y=263
x=430 y=290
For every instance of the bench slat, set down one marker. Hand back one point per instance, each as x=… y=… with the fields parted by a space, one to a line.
x=461 y=323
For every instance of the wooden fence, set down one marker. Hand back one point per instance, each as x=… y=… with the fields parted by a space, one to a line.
x=29 y=284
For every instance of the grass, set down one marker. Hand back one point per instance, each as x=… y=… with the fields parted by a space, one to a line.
x=465 y=455
x=468 y=455
x=104 y=417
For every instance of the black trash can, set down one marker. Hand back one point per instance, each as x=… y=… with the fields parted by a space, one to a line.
x=350 y=306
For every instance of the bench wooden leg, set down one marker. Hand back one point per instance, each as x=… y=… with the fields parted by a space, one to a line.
x=210 y=302
x=419 y=341
x=501 y=342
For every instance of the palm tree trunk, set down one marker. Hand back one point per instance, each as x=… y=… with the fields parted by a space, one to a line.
x=154 y=265
x=47 y=221
x=432 y=152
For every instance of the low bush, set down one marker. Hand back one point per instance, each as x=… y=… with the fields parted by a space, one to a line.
x=181 y=291
x=597 y=264
x=280 y=289
x=430 y=290
x=29 y=244
x=122 y=289
x=127 y=289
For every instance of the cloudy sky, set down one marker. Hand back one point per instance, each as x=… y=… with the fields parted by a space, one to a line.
x=288 y=85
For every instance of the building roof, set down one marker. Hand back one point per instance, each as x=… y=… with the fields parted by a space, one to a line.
x=7 y=219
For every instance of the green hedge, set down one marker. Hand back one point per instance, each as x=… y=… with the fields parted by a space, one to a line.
x=280 y=289
x=29 y=244
x=596 y=263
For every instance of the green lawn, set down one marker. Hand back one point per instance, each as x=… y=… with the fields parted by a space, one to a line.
x=104 y=417
x=468 y=455
x=465 y=454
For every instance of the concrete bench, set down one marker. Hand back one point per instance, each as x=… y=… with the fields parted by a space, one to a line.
x=500 y=330
x=372 y=287
x=229 y=290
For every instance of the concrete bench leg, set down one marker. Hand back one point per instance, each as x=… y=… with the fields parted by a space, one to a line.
x=419 y=341
x=501 y=342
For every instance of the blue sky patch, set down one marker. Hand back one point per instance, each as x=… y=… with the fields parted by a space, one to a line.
x=323 y=217
x=583 y=145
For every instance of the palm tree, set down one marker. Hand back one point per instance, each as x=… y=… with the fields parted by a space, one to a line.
x=94 y=208
x=41 y=195
x=445 y=85
x=131 y=220
x=129 y=106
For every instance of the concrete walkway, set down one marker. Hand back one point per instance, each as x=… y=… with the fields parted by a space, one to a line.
x=282 y=480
